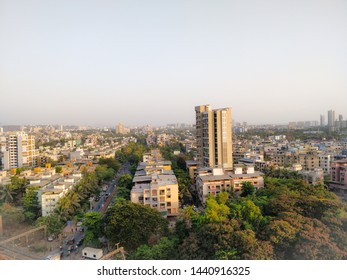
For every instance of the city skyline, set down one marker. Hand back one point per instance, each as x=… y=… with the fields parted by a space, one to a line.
x=313 y=122
x=97 y=64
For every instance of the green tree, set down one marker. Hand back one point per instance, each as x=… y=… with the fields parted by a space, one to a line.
x=7 y=193
x=94 y=224
x=123 y=192
x=216 y=212
x=133 y=224
x=53 y=222
x=14 y=191
x=247 y=189
x=224 y=240
x=165 y=249
x=104 y=173
x=31 y=204
x=58 y=169
x=247 y=213
x=125 y=181
x=110 y=163
x=11 y=215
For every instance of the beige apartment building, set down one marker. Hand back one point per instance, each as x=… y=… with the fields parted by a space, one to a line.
x=214 y=137
x=160 y=192
x=308 y=160
x=121 y=129
x=217 y=180
x=155 y=185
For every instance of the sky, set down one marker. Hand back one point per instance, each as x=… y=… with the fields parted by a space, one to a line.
x=100 y=62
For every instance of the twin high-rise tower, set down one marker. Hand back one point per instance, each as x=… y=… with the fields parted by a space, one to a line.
x=214 y=137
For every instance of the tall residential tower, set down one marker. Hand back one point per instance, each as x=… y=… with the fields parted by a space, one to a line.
x=214 y=136
x=331 y=120
x=17 y=150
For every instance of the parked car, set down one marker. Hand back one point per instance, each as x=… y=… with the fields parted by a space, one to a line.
x=70 y=248
x=79 y=242
x=70 y=241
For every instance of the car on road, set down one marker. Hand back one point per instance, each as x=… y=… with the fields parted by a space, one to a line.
x=80 y=242
x=70 y=241
x=79 y=224
x=70 y=248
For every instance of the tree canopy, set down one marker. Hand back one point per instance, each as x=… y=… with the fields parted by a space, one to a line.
x=287 y=219
x=132 y=225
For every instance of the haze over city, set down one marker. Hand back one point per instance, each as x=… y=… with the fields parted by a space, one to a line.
x=150 y=62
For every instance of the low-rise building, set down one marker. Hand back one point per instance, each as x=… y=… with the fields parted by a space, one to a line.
x=313 y=177
x=338 y=178
x=213 y=181
x=155 y=185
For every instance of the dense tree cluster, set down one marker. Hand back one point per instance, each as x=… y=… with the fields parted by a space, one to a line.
x=124 y=186
x=132 y=224
x=287 y=219
x=131 y=153
x=13 y=192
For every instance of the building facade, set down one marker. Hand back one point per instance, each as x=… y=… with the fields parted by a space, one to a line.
x=155 y=185
x=17 y=150
x=214 y=137
x=331 y=120
x=121 y=129
x=216 y=180
x=338 y=179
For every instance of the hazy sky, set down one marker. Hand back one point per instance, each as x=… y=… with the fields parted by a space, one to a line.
x=99 y=62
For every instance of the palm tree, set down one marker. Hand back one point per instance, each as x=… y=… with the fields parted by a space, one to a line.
x=80 y=191
x=7 y=193
x=73 y=202
x=62 y=209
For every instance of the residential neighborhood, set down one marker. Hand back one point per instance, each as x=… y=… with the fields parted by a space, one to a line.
x=71 y=193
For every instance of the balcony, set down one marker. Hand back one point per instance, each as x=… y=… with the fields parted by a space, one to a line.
x=162 y=206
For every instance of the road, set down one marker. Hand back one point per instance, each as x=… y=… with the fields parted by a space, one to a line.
x=71 y=245
x=68 y=249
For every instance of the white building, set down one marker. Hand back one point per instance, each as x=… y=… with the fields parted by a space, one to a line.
x=325 y=163
x=17 y=150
